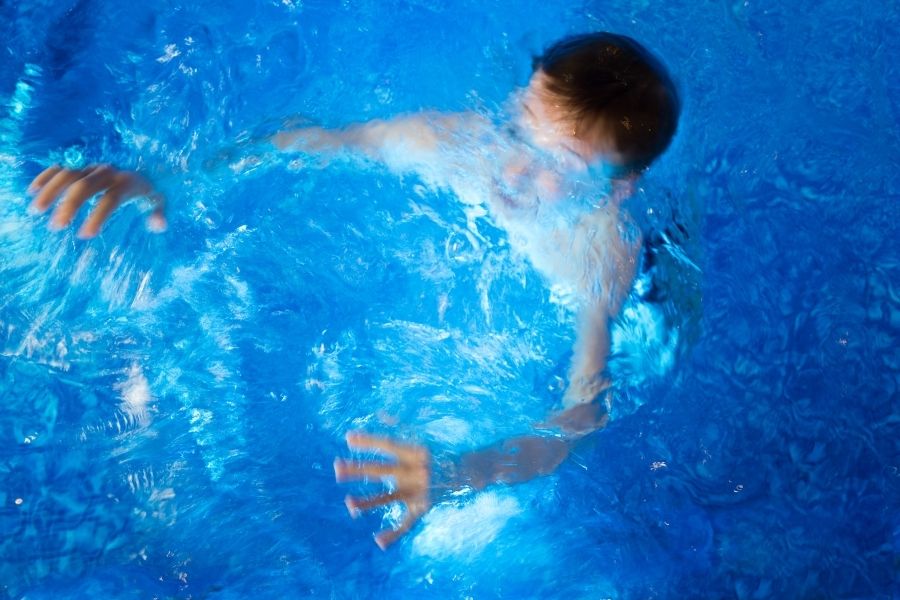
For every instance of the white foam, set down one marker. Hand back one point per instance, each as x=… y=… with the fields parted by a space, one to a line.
x=135 y=395
x=449 y=431
x=462 y=533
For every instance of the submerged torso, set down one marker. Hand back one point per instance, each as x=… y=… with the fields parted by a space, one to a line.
x=560 y=220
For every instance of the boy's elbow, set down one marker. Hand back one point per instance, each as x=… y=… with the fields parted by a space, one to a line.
x=582 y=418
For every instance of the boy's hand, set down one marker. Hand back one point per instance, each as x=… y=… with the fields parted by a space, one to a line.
x=410 y=471
x=80 y=185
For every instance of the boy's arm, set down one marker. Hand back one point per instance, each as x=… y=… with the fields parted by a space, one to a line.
x=405 y=144
x=416 y=485
x=587 y=372
x=409 y=143
x=514 y=460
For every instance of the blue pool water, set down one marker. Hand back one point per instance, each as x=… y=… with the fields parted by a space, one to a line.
x=171 y=405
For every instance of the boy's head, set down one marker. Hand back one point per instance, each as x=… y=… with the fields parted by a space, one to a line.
x=610 y=95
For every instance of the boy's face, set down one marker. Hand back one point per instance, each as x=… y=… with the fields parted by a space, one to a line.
x=554 y=130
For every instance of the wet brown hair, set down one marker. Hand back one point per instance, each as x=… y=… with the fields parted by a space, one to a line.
x=610 y=81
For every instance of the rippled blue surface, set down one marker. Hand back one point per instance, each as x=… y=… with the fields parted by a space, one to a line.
x=172 y=404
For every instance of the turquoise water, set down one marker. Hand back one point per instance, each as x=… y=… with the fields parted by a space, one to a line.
x=172 y=404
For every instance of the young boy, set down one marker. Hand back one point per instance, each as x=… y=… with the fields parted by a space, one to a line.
x=595 y=101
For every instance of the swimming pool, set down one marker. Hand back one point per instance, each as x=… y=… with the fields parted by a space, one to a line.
x=172 y=404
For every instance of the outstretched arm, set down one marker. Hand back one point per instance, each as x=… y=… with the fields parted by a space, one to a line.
x=515 y=460
x=405 y=144
x=408 y=143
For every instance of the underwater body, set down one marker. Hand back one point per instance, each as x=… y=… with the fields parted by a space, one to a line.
x=172 y=403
